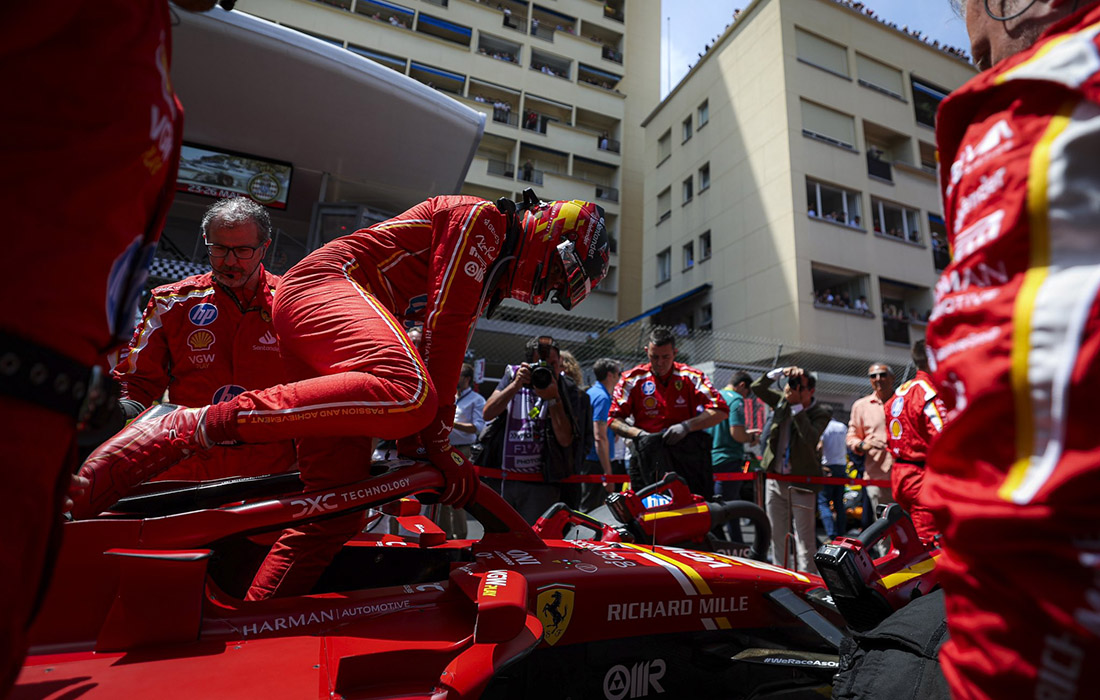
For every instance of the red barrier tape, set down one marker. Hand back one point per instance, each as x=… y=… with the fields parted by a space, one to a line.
x=490 y=473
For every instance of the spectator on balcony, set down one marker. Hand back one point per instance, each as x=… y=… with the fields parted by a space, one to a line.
x=603 y=141
x=528 y=170
x=534 y=25
x=861 y=305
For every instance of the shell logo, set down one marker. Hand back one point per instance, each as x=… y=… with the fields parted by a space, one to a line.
x=895 y=428
x=200 y=339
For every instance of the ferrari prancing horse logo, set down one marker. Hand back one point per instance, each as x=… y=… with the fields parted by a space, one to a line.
x=555 y=610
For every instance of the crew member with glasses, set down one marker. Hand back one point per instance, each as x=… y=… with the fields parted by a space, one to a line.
x=209 y=337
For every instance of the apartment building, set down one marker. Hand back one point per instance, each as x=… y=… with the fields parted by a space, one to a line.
x=790 y=190
x=564 y=85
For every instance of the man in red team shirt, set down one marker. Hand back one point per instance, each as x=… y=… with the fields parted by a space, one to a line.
x=1014 y=347
x=210 y=337
x=914 y=418
x=341 y=316
x=90 y=133
x=672 y=404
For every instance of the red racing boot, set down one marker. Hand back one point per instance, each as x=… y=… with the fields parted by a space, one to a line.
x=152 y=442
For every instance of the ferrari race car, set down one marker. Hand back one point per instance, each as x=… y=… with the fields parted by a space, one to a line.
x=146 y=600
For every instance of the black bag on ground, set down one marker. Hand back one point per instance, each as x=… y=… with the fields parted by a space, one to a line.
x=899 y=659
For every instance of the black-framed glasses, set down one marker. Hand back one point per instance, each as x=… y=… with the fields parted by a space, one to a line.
x=240 y=252
x=879 y=375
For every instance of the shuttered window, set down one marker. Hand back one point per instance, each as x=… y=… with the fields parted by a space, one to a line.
x=821 y=52
x=828 y=125
x=878 y=75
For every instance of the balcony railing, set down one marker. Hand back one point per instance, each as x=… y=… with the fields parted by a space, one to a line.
x=895 y=330
x=606 y=193
x=505 y=117
x=879 y=168
x=501 y=168
x=542 y=31
x=531 y=174
x=940 y=257
x=606 y=144
x=613 y=55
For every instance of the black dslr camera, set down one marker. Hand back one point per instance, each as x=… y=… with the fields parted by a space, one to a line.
x=541 y=372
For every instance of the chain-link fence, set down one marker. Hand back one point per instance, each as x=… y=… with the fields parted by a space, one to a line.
x=842 y=374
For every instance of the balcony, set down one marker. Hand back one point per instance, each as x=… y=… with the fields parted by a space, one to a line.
x=606 y=144
x=606 y=193
x=895 y=331
x=501 y=168
x=878 y=168
x=529 y=173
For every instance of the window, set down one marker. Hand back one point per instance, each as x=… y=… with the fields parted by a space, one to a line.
x=704 y=246
x=686 y=125
x=664 y=266
x=664 y=147
x=828 y=125
x=706 y=317
x=834 y=203
x=821 y=53
x=895 y=220
x=689 y=255
x=879 y=76
x=703 y=114
x=704 y=177
x=664 y=205
x=840 y=290
x=688 y=190
x=926 y=100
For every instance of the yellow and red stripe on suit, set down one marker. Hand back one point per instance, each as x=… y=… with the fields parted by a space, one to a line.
x=658 y=403
x=1014 y=478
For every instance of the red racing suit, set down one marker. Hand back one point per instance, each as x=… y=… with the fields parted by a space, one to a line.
x=1014 y=340
x=914 y=418
x=341 y=315
x=199 y=341
x=659 y=403
x=90 y=133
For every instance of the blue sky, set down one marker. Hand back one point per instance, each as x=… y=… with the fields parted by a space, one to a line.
x=694 y=23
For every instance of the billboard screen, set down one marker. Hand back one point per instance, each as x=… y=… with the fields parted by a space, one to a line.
x=222 y=173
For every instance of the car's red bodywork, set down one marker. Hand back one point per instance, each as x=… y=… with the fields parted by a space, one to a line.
x=149 y=605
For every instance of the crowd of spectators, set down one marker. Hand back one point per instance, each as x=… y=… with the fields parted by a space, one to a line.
x=862 y=8
x=499 y=55
x=841 y=300
x=898 y=313
x=838 y=217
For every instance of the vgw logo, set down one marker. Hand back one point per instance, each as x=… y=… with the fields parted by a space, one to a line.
x=203 y=314
x=635 y=682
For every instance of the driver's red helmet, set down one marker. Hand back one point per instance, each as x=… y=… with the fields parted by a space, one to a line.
x=570 y=235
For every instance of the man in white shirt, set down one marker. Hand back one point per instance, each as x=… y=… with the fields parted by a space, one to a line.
x=834 y=462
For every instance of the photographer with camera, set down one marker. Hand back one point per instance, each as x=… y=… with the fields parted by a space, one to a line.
x=537 y=412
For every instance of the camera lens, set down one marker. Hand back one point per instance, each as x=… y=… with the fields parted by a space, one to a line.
x=541 y=377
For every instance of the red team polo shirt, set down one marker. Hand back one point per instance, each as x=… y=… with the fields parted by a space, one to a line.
x=659 y=403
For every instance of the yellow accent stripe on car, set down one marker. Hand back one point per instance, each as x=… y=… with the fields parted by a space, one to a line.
x=698 y=581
